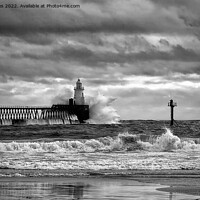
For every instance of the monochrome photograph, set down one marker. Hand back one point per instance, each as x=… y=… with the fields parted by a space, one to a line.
x=100 y=99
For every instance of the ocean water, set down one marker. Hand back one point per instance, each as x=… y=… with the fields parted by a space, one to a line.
x=96 y=150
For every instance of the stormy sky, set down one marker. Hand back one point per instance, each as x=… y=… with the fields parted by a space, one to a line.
x=141 y=52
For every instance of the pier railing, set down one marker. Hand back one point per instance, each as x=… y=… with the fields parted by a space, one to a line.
x=32 y=112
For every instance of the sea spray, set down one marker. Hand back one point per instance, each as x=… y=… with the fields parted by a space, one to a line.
x=101 y=111
x=169 y=142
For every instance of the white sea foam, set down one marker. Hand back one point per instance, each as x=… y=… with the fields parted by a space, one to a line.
x=64 y=146
x=124 y=141
x=101 y=110
x=170 y=142
x=126 y=151
x=167 y=141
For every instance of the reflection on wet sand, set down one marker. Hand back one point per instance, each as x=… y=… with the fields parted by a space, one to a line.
x=28 y=190
x=74 y=191
x=81 y=189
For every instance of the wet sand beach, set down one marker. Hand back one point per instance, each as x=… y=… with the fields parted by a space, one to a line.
x=106 y=184
x=98 y=188
x=185 y=185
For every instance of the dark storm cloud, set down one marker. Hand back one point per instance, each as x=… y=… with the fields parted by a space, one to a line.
x=37 y=38
x=118 y=16
x=177 y=3
x=192 y=6
x=178 y=53
x=68 y=60
x=24 y=71
x=4 y=78
x=164 y=42
x=79 y=25
x=99 y=2
x=73 y=53
x=162 y=68
x=44 y=81
x=106 y=81
x=27 y=70
x=186 y=10
x=93 y=58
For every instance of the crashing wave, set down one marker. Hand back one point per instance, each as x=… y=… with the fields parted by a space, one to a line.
x=123 y=142
x=101 y=110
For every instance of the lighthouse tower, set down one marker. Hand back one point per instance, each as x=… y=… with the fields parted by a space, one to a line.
x=78 y=93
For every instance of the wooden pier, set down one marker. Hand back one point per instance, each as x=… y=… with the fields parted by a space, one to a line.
x=64 y=112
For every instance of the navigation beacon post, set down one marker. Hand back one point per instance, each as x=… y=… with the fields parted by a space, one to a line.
x=172 y=104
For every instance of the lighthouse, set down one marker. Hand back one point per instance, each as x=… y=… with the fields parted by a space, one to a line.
x=78 y=94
